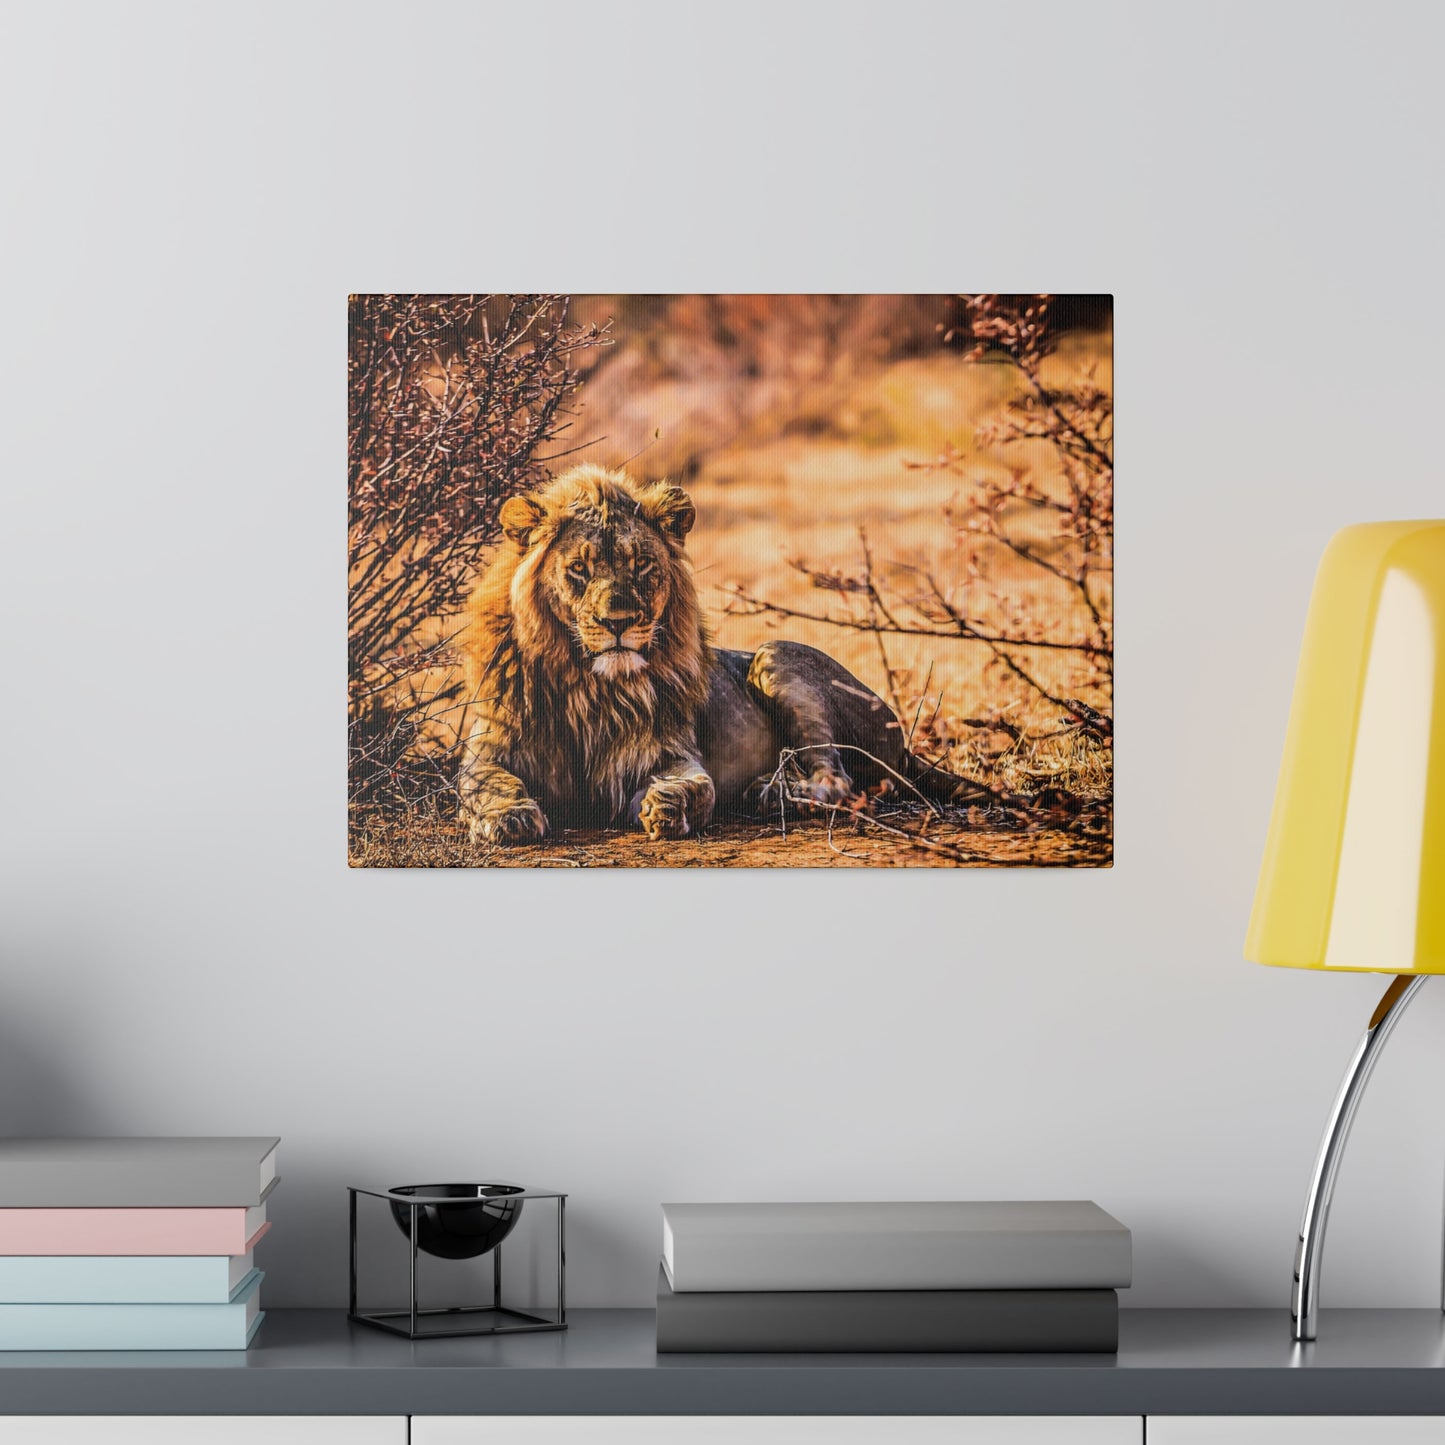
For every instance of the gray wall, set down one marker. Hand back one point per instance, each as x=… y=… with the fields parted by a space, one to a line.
x=190 y=194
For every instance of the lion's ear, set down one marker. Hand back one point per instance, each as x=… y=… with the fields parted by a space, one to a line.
x=520 y=517
x=670 y=510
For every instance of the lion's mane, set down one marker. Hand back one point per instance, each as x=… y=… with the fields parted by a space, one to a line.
x=581 y=742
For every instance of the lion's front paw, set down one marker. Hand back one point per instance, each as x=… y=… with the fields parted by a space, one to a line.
x=674 y=808
x=664 y=811
x=522 y=822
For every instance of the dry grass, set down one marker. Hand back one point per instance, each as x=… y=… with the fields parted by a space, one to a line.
x=1068 y=759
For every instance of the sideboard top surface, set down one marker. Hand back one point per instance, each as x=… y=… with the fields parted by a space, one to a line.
x=1185 y=1362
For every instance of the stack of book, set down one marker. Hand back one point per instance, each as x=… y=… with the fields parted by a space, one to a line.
x=1032 y=1276
x=132 y=1244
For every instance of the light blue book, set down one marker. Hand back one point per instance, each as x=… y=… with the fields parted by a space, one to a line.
x=203 y=1279
x=229 y=1326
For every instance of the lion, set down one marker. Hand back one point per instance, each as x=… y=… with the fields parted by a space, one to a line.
x=597 y=698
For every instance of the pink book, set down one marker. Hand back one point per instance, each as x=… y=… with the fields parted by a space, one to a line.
x=131 y=1231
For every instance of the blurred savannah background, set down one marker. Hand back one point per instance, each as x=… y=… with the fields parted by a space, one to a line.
x=921 y=486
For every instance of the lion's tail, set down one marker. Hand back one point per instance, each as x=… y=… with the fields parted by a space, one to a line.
x=952 y=789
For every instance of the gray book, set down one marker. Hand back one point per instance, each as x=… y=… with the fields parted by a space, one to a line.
x=136 y=1173
x=887 y=1321
x=1032 y=1244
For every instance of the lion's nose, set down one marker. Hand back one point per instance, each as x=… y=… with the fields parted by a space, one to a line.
x=617 y=625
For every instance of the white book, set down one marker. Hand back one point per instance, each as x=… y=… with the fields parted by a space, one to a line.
x=1029 y=1244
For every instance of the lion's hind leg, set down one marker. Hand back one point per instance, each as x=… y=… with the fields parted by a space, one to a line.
x=840 y=732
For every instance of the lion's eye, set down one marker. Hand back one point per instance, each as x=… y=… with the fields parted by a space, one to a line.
x=644 y=567
x=578 y=573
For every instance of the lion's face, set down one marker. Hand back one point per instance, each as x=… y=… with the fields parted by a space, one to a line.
x=605 y=564
x=607 y=583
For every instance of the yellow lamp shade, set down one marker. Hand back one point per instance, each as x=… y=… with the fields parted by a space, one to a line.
x=1354 y=866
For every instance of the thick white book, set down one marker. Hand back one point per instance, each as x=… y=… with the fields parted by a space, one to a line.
x=1027 y=1244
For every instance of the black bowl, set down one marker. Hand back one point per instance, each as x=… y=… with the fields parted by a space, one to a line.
x=462 y=1230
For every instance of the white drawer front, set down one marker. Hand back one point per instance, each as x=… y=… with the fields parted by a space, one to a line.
x=1296 y=1430
x=202 y=1430
x=776 y=1430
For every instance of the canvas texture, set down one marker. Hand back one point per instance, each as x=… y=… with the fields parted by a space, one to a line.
x=730 y=581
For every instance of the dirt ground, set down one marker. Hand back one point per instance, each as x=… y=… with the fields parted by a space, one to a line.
x=948 y=842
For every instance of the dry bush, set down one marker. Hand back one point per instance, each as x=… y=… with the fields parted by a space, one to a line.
x=452 y=403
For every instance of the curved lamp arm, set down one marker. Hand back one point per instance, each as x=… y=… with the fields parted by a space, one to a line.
x=1304 y=1298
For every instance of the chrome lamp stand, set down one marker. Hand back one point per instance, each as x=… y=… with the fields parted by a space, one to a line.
x=1305 y=1296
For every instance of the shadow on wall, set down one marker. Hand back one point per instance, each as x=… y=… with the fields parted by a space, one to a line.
x=1171 y=1269
x=38 y=1095
x=598 y=1249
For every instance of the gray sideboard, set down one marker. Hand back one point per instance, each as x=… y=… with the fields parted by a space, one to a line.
x=1170 y=1362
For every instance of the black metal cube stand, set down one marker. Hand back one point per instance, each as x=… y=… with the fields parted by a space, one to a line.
x=496 y=1318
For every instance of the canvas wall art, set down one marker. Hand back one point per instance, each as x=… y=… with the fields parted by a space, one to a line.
x=730 y=581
